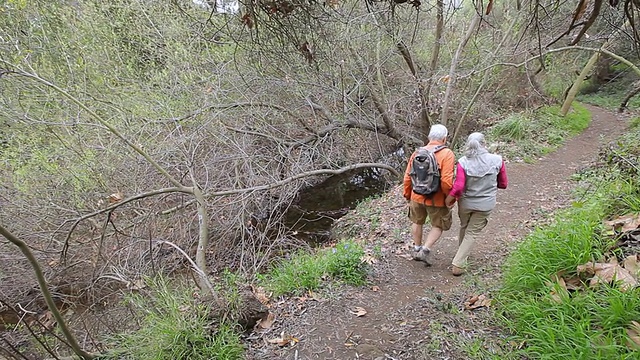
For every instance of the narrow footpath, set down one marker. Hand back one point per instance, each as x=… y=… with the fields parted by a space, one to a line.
x=417 y=312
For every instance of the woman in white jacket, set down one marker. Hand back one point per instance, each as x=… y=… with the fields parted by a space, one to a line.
x=479 y=175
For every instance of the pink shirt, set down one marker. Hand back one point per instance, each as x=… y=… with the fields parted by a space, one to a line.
x=460 y=181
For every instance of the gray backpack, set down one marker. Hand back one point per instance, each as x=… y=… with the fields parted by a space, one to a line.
x=425 y=173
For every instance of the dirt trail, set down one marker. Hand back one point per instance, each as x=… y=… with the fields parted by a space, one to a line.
x=409 y=303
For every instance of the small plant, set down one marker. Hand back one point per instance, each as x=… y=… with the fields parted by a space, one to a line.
x=344 y=262
x=174 y=327
x=304 y=271
x=514 y=127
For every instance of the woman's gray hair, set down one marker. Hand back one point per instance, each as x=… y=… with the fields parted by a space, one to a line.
x=475 y=145
x=438 y=132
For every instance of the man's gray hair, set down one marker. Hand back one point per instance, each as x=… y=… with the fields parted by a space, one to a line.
x=438 y=132
x=475 y=145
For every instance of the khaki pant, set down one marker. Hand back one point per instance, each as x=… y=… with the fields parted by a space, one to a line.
x=439 y=217
x=471 y=223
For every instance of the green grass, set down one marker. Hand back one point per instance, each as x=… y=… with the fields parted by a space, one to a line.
x=305 y=271
x=610 y=95
x=514 y=127
x=587 y=324
x=174 y=327
x=529 y=135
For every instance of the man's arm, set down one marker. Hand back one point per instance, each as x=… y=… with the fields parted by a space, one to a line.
x=406 y=192
x=446 y=172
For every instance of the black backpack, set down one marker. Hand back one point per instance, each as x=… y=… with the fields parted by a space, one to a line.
x=425 y=173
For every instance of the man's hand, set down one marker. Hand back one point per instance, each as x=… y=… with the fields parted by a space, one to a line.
x=449 y=201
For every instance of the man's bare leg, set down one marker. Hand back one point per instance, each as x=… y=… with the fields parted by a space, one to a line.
x=416 y=234
x=432 y=237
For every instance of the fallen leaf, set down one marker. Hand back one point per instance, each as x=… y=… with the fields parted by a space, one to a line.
x=568 y=283
x=368 y=259
x=266 y=323
x=558 y=290
x=260 y=294
x=607 y=273
x=634 y=336
x=47 y=320
x=477 y=301
x=631 y=263
x=136 y=285
x=284 y=340
x=115 y=197
x=359 y=311
x=624 y=223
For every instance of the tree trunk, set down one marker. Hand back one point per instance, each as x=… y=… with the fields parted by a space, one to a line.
x=483 y=82
x=631 y=94
x=571 y=95
x=454 y=63
x=425 y=123
x=434 y=60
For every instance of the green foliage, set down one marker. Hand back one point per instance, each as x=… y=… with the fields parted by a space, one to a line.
x=344 y=262
x=611 y=94
x=587 y=324
x=515 y=127
x=558 y=75
x=529 y=135
x=174 y=327
x=304 y=271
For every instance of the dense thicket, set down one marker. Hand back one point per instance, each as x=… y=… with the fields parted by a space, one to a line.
x=229 y=102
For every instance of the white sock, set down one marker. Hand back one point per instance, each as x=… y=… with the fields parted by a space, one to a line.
x=417 y=247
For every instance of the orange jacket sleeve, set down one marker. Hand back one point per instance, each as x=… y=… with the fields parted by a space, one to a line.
x=446 y=171
x=407 y=179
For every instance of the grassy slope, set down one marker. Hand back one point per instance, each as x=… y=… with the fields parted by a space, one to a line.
x=589 y=324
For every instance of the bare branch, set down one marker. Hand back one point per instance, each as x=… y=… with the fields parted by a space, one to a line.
x=406 y=55
x=198 y=271
x=73 y=343
x=244 y=104
x=288 y=180
x=594 y=14
x=569 y=48
x=475 y=22
x=625 y=101
x=111 y=208
x=95 y=116
x=377 y=102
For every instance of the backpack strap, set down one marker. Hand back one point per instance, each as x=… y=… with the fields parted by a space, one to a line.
x=438 y=148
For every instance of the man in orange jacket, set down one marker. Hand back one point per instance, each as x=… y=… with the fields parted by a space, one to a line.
x=434 y=207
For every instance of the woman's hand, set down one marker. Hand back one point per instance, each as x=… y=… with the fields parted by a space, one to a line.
x=450 y=201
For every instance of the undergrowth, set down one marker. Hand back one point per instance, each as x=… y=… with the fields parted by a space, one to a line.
x=587 y=324
x=306 y=271
x=174 y=327
x=610 y=95
x=528 y=135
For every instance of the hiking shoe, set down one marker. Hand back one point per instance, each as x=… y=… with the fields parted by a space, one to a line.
x=457 y=271
x=425 y=255
x=415 y=254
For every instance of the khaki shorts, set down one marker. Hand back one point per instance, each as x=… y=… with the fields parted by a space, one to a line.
x=440 y=217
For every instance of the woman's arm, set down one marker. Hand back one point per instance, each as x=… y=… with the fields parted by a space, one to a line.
x=503 y=181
